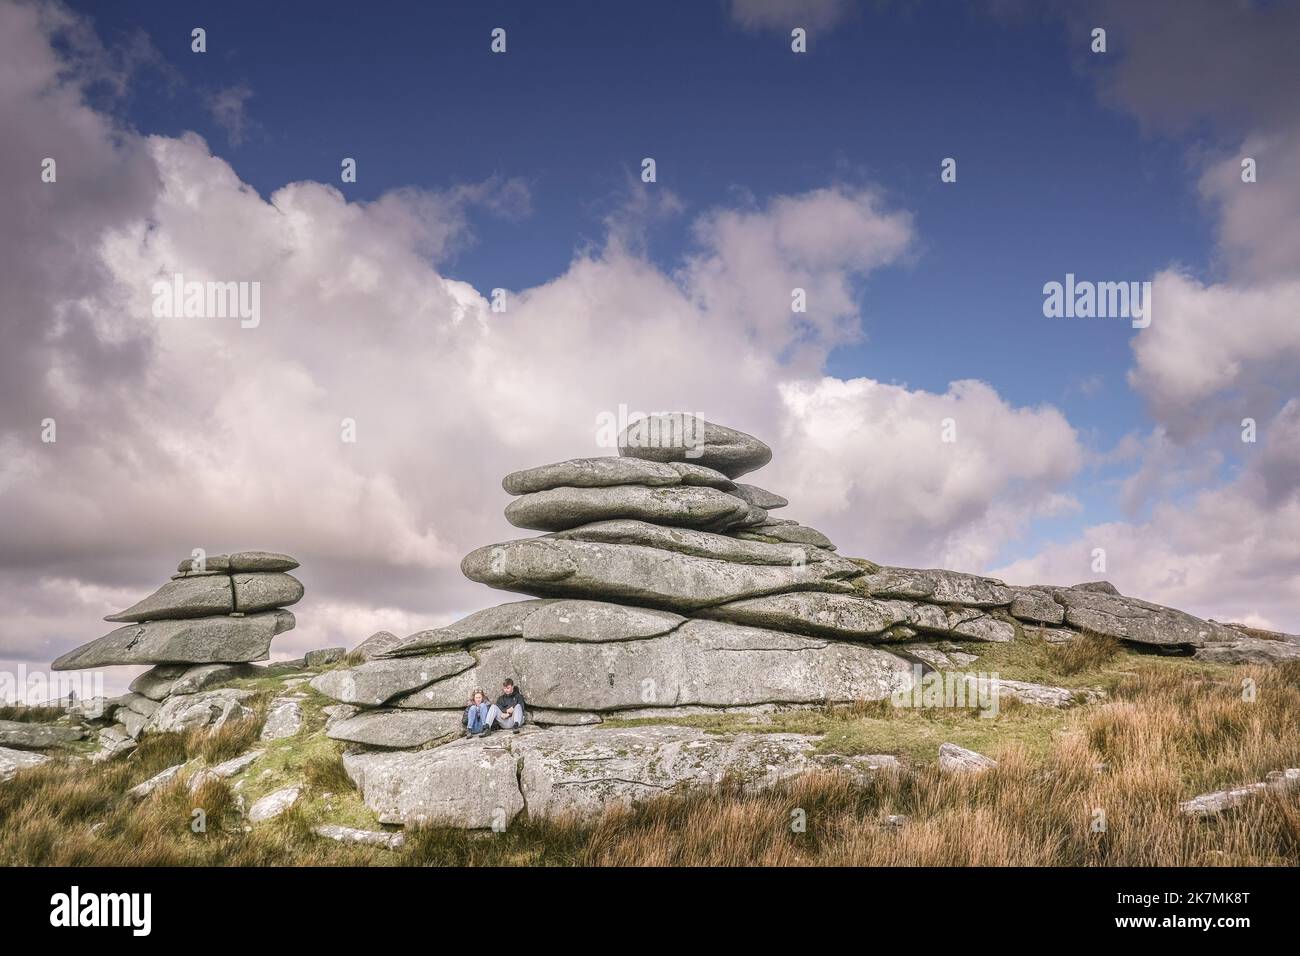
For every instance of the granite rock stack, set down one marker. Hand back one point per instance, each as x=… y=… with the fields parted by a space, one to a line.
x=663 y=587
x=203 y=628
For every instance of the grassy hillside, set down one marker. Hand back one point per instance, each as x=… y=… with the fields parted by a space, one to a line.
x=1094 y=785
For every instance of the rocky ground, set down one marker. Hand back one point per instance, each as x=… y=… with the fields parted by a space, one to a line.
x=690 y=663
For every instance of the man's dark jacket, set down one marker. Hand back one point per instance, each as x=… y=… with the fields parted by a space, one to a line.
x=513 y=699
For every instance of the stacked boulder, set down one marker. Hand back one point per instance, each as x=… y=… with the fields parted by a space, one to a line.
x=203 y=628
x=663 y=587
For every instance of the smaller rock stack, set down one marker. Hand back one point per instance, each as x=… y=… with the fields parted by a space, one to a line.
x=202 y=628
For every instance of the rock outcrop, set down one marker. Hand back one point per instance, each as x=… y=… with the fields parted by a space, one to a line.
x=663 y=587
x=201 y=629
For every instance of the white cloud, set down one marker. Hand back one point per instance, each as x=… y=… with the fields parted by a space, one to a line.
x=869 y=461
x=228 y=108
x=785 y=15
x=1231 y=552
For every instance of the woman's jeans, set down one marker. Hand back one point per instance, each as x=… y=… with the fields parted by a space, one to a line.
x=476 y=717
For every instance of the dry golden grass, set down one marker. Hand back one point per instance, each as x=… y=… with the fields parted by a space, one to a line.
x=1091 y=652
x=1104 y=793
x=22 y=712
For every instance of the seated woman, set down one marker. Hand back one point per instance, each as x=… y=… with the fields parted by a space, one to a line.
x=476 y=714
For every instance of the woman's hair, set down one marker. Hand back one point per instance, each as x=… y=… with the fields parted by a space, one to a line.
x=478 y=691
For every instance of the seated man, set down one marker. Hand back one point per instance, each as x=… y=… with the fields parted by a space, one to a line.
x=508 y=711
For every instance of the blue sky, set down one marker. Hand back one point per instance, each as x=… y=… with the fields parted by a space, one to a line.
x=1050 y=180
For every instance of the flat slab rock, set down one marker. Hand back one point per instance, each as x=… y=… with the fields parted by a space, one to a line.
x=283 y=719
x=37 y=736
x=242 y=561
x=11 y=761
x=708 y=663
x=378 y=681
x=200 y=640
x=789 y=531
x=479 y=784
x=541 y=620
x=604 y=472
x=1128 y=619
x=200 y=596
x=1208 y=804
x=937 y=587
x=355 y=837
x=634 y=574
x=396 y=728
x=854 y=617
x=559 y=509
x=707 y=544
x=1249 y=650
x=677 y=436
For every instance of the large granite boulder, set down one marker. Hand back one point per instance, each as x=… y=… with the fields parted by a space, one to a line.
x=604 y=472
x=579 y=771
x=759 y=497
x=705 y=544
x=707 y=663
x=200 y=596
x=210 y=709
x=199 y=640
x=789 y=531
x=396 y=728
x=466 y=784
x=378 y=681
x=676 y=436
x=559 y=509
x=1128 y=619
x=938 y=587
x=561 y=567
x=563 y=771
x=262 y=591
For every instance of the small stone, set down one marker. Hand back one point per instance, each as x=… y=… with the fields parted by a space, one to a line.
x=351 y=835
x=274 y=804
x=956 y=759
x=283 y=719
x=323 y=657
x=142 y=790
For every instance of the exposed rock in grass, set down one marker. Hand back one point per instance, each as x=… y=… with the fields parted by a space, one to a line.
x=956 y=759
x=36 y=736
x=283 y=719
x=273 y=804
x=324 y=656
x=160 y=779
x=211 y=709
x=1208 y=804
x=11 y=761
x=351 y=835
x=1249 y=650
